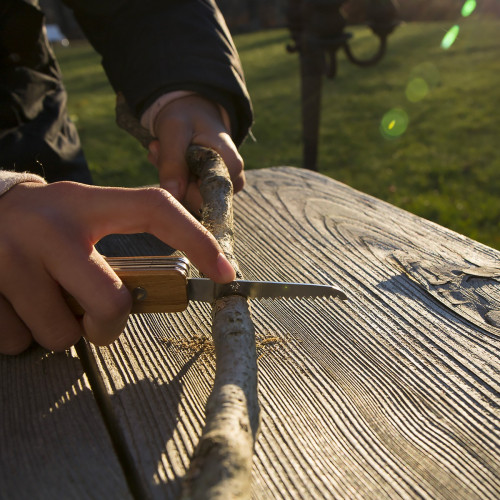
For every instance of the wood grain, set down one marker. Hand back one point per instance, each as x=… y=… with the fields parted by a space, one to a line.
x=53 y=442
x=391 y=394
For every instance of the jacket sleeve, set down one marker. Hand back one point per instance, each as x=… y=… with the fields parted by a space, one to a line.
x=150 y=47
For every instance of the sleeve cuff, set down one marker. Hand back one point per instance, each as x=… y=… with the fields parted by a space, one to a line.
x=10 y=179
x=148 y=118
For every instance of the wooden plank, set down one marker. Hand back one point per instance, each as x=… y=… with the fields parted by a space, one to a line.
x=392 y=394
x=53 y=443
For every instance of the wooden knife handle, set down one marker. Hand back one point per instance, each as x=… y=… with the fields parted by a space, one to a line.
x=157 y=284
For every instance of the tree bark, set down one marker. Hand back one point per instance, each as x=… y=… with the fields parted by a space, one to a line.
x=222 y=463
x=128 y=122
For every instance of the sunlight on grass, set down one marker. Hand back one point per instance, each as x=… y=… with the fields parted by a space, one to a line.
x=437 y=156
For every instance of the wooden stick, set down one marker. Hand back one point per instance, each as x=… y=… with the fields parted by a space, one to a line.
x=128 y=122
x=222 y=463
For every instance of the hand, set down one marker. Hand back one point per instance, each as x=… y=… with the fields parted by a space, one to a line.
x=47 y=237
x=191 y=120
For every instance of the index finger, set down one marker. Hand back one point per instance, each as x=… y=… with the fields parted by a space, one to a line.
x=107 y=210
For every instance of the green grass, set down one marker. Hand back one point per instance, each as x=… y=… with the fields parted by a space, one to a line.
x=114 y=157
x=444 y=167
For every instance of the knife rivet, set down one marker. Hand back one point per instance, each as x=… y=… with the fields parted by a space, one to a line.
x=139 y=294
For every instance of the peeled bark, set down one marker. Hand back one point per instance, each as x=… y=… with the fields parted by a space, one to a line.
x=128 y=122
x=222 y=463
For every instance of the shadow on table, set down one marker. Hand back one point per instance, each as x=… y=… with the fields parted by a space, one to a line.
x=55 y=439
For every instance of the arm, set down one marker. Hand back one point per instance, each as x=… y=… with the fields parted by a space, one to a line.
x=151 y=48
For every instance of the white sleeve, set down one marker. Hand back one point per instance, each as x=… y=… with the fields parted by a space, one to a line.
x=10 y=179
x=148 y=118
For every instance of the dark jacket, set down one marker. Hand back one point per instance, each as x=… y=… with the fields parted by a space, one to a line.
x=148 y=47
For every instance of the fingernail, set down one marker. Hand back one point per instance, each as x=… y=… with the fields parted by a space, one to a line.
x=173 y=187
x=225 y=269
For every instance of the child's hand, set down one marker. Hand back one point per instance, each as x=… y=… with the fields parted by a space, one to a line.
x=47 y=237
x=191 y=120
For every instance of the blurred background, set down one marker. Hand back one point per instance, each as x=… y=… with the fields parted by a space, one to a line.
x=251 y=15
x=420 y=129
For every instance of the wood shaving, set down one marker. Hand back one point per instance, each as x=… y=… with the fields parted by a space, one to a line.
x=202 y=344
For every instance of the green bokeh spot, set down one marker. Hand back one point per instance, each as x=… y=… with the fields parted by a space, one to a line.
x=427 y=71
x=468 y=7
x=450 y=37
x=416 y=89
x=394 y=123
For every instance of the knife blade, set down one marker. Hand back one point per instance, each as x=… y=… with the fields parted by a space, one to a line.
x=162 y=284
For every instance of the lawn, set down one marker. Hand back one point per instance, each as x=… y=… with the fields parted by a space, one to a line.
x=436 y=157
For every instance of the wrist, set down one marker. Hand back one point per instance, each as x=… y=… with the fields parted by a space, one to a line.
x=148 y=118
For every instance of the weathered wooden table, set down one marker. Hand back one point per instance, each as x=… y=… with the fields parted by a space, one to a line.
x=391 y=394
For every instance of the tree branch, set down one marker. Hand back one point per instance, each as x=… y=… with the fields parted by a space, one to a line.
x=222 y=463
x=126 y=120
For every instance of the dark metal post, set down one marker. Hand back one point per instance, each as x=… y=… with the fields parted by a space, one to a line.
x=311 y=73
x=316 y=27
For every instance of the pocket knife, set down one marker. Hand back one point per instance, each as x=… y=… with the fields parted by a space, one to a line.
x=163 y=284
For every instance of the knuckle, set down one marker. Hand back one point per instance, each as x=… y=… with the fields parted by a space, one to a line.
x=158 y=203
x=53 y=212
x=157 y=197
x=234 y=161
x=59 y=339
x=116 y=305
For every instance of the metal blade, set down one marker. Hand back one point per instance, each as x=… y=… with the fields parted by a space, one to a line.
x=206 y=290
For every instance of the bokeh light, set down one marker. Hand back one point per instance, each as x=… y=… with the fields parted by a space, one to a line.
x=427 y=71
x=416 y=89
x=394 y=123
x=468 y=8
x=450 y=37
